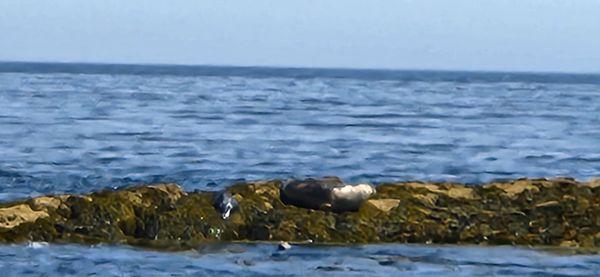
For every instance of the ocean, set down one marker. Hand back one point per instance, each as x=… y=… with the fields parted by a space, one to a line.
x=77 y=128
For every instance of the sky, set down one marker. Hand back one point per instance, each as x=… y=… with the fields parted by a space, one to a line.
x=507 y=35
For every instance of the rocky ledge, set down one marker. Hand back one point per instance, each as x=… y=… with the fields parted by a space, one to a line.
x=557 y=212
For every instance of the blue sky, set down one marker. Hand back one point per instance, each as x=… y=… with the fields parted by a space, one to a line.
x=519 y=35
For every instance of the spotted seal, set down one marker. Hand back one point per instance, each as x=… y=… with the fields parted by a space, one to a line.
x=329 y=193
x=224 y=203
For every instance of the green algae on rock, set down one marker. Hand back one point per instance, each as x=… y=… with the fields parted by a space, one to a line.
x=557 y=212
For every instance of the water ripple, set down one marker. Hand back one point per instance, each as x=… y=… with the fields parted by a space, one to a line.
x=77 y=133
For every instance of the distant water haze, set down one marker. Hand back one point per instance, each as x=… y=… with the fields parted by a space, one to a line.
x=535 y=35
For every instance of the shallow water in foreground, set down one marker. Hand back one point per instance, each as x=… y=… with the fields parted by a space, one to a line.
x=264 y=259
x=78 y=133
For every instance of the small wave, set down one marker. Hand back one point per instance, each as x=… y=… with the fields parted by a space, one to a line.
x=37 y=245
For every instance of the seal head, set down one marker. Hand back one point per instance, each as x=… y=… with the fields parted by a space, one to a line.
x=349 y=198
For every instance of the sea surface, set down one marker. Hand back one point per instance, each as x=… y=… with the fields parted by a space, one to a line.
x=77 y=128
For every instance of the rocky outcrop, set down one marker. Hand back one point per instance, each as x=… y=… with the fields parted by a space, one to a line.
x=14 y=216
x=558 y=212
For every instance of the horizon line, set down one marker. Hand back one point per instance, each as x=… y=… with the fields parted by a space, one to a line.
x=7 y=66
x=408 y=69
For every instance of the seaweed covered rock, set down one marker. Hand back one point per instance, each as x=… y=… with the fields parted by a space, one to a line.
x=557 y=212
x=14 y=216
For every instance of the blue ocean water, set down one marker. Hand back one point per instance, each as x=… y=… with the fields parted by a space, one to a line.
x=80 y=128
x=263 y=259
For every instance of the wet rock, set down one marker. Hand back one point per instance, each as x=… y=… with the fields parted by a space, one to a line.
x=525 y=212
x=515 y=188
x=384 y=205
x=453 y=191
x=594 y=183
x=47 y=202
x=569 y=243
x=553 y=205
x=14 y=216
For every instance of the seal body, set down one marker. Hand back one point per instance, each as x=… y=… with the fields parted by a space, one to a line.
x=224 y=203
x=329 y=193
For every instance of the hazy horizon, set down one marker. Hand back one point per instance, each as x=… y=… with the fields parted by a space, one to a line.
x=501 y=36
x=20 y=64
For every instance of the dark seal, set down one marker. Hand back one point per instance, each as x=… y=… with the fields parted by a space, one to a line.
x=329 y=194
